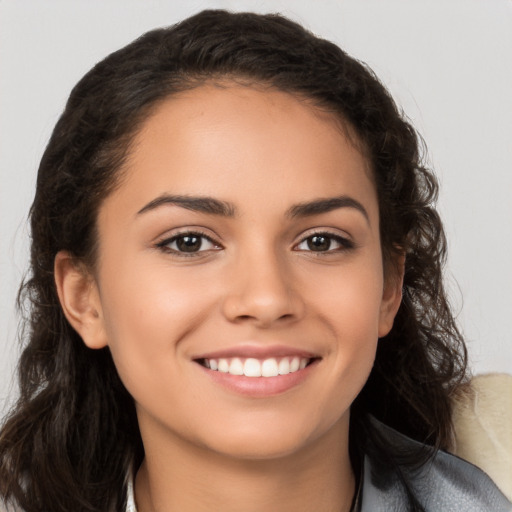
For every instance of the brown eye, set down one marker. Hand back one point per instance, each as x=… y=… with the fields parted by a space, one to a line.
x=319 y=243
x=325 y=242
x=189 y=243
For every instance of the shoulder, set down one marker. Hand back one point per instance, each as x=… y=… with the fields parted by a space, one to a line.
x=459 y=485
x=444 y=482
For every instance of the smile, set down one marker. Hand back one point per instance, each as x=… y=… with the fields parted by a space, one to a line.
x=252 y=367
x=258 y=371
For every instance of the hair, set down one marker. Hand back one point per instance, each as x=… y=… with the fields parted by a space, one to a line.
x=70 y=439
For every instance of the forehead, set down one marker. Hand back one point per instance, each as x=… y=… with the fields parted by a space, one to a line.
x=227 y=99
x=229 y=139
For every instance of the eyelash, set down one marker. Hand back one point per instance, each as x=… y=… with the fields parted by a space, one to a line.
x=164 y=244
x=344 y=243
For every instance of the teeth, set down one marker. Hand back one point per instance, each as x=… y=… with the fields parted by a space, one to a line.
x=236 y=367
x=251 y=367
x=284 y=367
x=223 y=365
x=269 y=368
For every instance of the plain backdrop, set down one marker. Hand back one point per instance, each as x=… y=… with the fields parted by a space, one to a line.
x=447 y=63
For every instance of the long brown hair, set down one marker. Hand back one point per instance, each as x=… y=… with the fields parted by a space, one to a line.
x=72 y=436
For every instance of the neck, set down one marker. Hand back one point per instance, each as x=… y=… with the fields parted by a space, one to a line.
x=179 y=476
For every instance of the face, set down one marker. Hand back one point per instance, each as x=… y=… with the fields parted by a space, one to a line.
x=239 y=284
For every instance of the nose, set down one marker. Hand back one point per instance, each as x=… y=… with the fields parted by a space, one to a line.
x=262 y=290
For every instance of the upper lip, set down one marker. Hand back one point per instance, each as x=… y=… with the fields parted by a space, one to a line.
x=245 y=351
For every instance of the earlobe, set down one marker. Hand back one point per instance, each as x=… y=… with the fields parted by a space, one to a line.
x=79 y=299
x=391 y=297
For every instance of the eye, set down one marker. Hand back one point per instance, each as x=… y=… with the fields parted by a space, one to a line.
x=188 y=243
x=324 y=242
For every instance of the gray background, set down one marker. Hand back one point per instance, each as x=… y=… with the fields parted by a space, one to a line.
x=447 y=63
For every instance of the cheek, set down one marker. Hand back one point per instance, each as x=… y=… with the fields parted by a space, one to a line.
x=146 y=315
x=146 y=294
x=349 y=299
x=350 y=308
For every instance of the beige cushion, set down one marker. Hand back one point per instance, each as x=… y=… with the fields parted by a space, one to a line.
x=483 y=427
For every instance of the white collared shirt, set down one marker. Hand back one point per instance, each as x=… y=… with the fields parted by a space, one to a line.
x=130 y=502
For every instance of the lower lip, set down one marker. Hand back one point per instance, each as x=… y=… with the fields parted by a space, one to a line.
x=260 y=386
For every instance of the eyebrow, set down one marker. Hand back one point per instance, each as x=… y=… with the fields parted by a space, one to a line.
x=198 y=204
x=325 y=205
x=212 y=206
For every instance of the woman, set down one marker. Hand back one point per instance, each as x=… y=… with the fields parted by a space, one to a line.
x=236 y=289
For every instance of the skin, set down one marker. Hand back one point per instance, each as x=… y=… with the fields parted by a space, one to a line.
x=257 y=283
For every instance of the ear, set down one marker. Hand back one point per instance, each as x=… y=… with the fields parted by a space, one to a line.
x=80 y=300
x=392 y=295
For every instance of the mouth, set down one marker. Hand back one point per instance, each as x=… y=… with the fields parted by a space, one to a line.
x=254 y=367
x=258 y=371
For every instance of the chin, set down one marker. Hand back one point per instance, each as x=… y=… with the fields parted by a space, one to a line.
x=268 y=448
x=267 y=440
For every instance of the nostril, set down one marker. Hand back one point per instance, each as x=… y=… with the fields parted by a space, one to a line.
x=262 y=305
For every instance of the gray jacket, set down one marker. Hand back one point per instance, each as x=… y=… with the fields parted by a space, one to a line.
x=444 y=484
